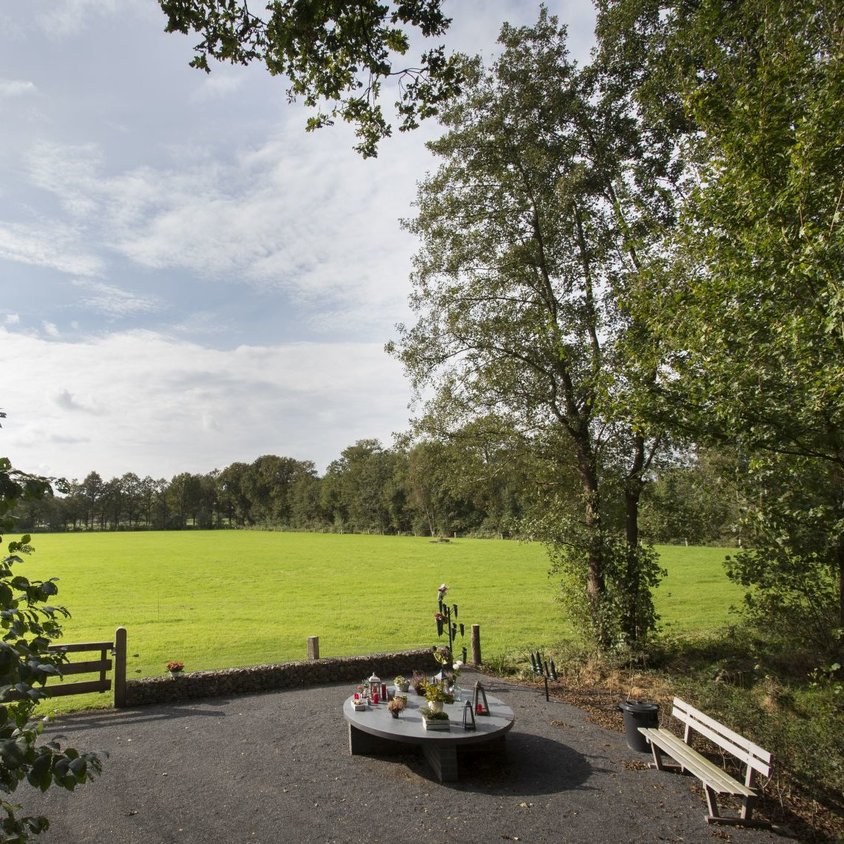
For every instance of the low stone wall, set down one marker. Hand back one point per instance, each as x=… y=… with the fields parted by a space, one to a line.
x=266 y=678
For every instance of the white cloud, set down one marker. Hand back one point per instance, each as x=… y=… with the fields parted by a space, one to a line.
x=68 y=172
x=284 y=214
x=114 y=301
x=68 y=17
x=219 y=84
x=16 y=88
x=52 y=244
x=12 y=319
x=137 y=401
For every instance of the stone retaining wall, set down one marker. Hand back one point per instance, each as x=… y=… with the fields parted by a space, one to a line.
x=265 y=678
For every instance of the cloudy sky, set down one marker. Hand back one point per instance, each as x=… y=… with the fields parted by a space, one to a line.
x=187 y=278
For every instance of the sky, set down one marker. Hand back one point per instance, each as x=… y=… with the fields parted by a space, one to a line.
x=187 y=278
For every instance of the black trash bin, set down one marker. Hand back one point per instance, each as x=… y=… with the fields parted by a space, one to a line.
x=638 y=713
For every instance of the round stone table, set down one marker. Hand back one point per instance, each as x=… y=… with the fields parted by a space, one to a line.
x=374 y=731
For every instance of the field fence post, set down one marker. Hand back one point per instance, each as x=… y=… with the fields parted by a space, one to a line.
x=313 y=647
x=476 y=644
x=120 y=667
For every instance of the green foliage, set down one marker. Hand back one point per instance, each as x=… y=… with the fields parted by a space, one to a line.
x=753 y=95
x=28 y=623
x=795 y=521
x=335 y=53
x=696 y=501
x=625 y=615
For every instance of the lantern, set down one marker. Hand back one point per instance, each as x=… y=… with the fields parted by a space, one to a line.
x=374 y=688
x=479 y=701
x=469 y=716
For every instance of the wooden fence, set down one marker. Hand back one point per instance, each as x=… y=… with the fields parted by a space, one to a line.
x=102 y=666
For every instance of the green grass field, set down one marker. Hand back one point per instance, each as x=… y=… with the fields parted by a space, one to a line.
x=218 y=599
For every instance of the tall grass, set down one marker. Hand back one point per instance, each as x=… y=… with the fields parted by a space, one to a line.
x=218 y=599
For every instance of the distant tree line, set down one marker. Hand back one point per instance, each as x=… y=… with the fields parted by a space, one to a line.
x=462 y=487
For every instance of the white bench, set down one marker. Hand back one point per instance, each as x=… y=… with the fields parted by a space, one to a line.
x=715 y=780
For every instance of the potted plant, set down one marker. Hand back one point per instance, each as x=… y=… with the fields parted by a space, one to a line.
x=401 y=683
x=433 y=720
x=420 y=682
x=175 y=667
x=437 y=694
x=396 y=705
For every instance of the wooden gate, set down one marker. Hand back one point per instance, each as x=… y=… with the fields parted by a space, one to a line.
x=100 y=665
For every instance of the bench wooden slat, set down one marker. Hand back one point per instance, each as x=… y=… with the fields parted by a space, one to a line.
x=688 y=758
x=740 y=747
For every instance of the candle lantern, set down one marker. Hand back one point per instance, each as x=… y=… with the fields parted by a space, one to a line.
x=479 y=701
x=469 y=716
x=374 y=687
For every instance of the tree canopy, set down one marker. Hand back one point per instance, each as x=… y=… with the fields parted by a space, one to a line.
x=336 y=55
x=533 y=230
x=753 y=93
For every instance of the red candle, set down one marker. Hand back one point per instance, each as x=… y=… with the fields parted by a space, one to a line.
x=375 y=698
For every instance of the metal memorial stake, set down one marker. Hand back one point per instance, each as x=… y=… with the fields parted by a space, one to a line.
x=542 y=669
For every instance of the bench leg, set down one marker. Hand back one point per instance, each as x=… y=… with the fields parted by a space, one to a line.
x=747 y=809
x=657 y=754
x=712 y=803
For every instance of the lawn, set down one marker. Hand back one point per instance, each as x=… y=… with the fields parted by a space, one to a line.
x=217 y=599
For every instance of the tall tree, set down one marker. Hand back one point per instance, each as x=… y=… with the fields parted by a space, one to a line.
x=360 y=479
x=755 y=313
x=333 y=53
x=535 y=226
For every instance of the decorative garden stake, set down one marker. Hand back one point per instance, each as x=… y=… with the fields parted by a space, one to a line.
x=541 y=669
x=443 y=617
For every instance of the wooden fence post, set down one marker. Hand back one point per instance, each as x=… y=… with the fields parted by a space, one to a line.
x=476 y=644
x=313 y=647
x=120 y=667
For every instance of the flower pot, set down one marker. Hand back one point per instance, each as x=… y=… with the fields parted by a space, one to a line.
x=394 y=714
x=436 y=724
x=435 y=705
x=175 y=674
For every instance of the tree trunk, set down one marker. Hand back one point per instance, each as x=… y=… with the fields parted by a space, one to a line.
x=630 y=621
x=595 y=579
x=840 y=556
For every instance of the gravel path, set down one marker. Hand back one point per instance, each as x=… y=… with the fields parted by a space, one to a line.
x=276 y=767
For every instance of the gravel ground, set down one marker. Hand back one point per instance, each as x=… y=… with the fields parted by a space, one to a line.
x=276 y=767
